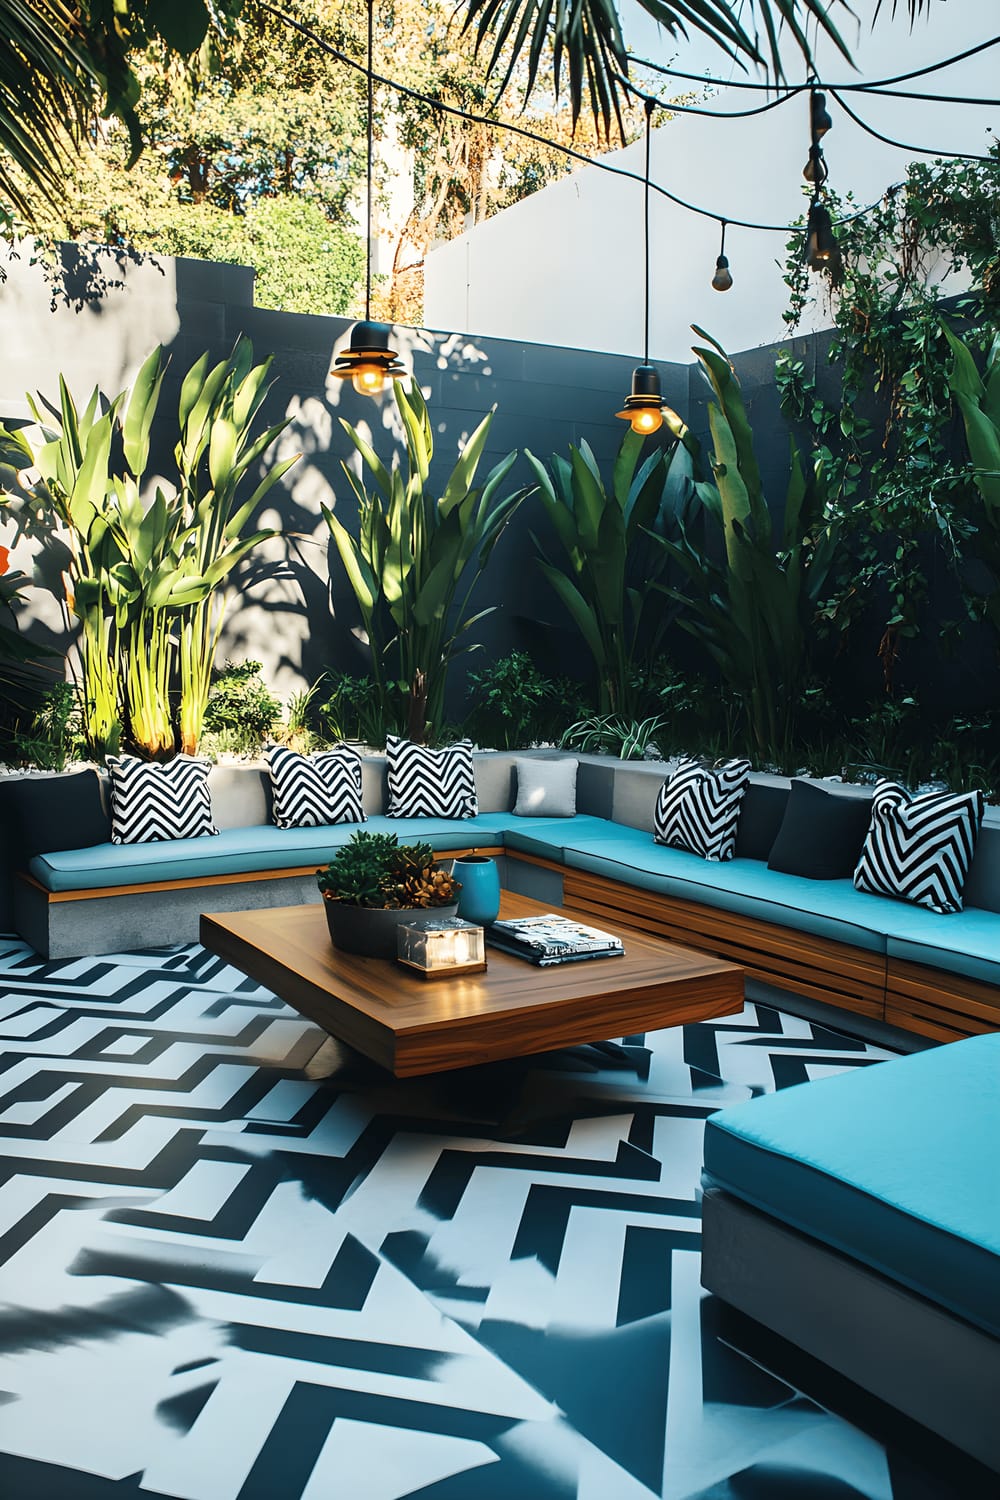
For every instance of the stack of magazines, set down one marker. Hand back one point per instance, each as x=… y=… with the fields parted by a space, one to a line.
x=552 y=939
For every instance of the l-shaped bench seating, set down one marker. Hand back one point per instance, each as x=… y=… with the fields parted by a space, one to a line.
x=884 y=959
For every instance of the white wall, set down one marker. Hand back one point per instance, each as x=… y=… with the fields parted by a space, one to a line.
x=565 y=266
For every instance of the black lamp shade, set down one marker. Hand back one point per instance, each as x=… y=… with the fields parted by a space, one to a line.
x=723 y=278
x=644 y=406
x=368 y=361
x=822 y=253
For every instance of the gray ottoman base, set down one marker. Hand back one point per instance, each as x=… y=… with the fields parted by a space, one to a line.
x=911 y=1353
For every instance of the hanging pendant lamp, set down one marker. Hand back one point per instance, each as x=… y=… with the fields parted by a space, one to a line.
x=822 y=252
x=369 y=361
x=644 y=404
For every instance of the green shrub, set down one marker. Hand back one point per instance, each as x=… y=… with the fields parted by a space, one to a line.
x=56 y=732
x=353 y=710
x=241 y=710
x=513 y=705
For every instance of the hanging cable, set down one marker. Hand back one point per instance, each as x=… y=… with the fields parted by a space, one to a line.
x=369 y=360
x=645 y=237
x=371 y=133
x=541 y=140
x=644 y=403
x=878 y=83
x=902 y=145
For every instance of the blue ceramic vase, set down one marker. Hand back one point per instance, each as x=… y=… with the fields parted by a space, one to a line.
x=479 y=898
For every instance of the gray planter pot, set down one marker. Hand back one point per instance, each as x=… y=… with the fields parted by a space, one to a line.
x=370 y=931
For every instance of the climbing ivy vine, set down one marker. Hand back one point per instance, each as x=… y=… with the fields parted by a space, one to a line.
x=885 y=434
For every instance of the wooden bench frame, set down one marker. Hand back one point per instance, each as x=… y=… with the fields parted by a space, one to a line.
x=932 y=1002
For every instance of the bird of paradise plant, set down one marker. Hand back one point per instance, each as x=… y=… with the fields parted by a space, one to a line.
x=145 y=577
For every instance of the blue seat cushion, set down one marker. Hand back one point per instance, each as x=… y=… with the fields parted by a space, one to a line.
x=896 y=1165
x=549 y=837
x=238 y=851
x=830 y=909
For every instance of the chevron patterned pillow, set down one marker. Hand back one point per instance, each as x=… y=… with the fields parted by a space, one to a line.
x=919 y=849
x=310 y=791
x=698 y=808
x=150 y=801
x=425 y=783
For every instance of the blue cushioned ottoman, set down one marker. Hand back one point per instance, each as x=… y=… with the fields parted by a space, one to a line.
x=859 y=1216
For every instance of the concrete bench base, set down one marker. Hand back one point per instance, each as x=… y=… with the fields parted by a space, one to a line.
x=92 y=922
x=70 y=924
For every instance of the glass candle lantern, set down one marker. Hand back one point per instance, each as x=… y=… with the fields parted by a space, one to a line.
x=441 y=947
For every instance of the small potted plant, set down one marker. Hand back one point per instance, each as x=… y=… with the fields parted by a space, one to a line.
x=373 y=883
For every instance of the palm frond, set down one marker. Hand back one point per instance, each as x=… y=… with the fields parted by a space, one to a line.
x=47 y=88
x=589 y=52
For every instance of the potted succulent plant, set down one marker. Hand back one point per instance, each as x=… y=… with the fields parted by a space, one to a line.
x=374 y=883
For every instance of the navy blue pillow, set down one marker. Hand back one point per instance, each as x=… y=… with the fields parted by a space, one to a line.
x=761 y=812
x=822 y=833
x=49 y=813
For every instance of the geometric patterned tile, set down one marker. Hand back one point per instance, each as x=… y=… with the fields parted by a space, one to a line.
x=239 y=1263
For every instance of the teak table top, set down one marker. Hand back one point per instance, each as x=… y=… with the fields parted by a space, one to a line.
x=412 y=1025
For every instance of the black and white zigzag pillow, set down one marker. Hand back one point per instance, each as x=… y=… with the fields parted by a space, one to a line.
x=309 y=791
x=919 y=849
x=698 y=808
x=150 y=801
x=425 y=783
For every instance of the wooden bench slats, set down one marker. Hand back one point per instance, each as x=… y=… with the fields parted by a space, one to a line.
x=912 y=996
x=852 y=978
x=951 y=1002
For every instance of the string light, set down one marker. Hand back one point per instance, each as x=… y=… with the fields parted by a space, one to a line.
x=571 y=154
x=723 y=278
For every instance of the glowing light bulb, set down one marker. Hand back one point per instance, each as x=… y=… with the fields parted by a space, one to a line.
x=646 y=419
x=368 y=380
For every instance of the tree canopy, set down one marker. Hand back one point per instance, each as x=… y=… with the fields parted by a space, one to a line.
x=64 y=61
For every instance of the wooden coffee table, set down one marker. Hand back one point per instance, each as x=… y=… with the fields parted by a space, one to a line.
x=412 y=1025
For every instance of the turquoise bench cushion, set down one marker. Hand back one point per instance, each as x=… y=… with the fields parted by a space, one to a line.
x=830 y=908
x=239 y=851
x=966 y=942
x=549 y=837
x=896 y=1165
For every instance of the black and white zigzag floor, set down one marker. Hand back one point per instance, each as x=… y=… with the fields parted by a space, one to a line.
x=236 y=1264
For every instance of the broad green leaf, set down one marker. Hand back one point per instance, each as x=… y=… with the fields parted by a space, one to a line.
x=221 y=451
x=464 y=472
x=624 y=471
x=239 y=518
x=579 y=611
x=191 y=387
x=381 y=474
x=141 y=410
x=365 y=588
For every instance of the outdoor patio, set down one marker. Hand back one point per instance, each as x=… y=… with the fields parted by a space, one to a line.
x=235 y=1265
x=461 y=463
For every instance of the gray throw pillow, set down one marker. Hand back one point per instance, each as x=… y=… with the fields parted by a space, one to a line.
x=545 y=788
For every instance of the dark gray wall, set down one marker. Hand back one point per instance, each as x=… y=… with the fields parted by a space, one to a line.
x=296 y=613
x=116 y=311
